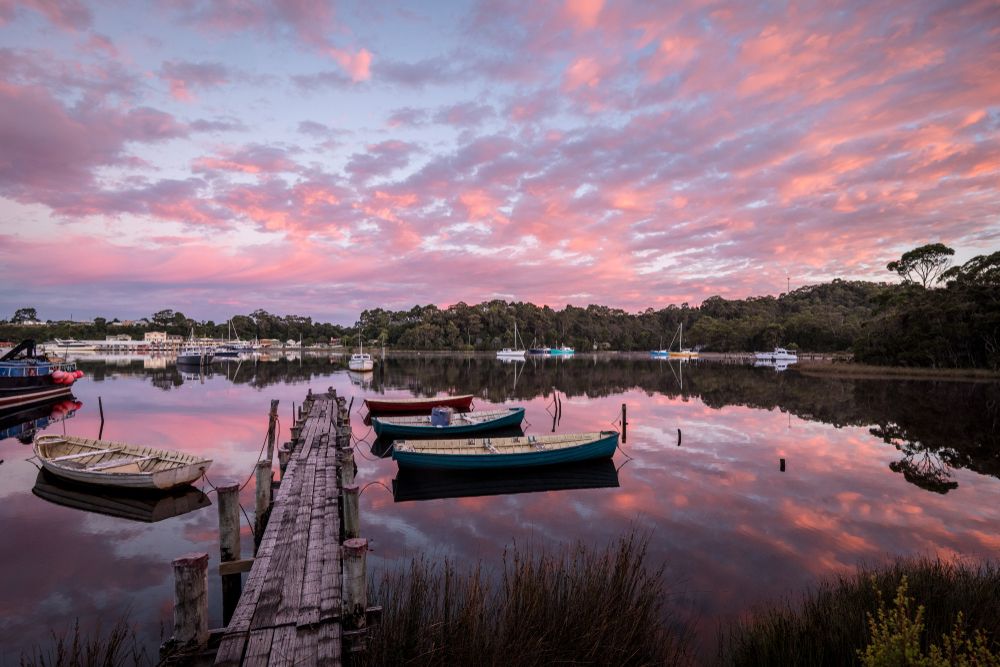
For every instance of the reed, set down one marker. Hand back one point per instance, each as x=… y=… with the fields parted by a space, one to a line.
x=828 y=626
x=119 y=646
x=577 y=606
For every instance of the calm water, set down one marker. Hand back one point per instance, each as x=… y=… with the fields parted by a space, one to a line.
x=874 y=469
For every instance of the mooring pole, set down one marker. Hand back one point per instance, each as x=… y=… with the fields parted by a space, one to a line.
x=781 y=465
x=624 y=423
x=678 y=437
x=100 y=408
x=191 y=599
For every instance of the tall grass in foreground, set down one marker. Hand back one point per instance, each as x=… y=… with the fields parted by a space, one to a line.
x=579 y=606
x=118 y=647
x=831 y=624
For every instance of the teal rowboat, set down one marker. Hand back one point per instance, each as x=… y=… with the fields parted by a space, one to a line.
x=522 y=451
x=461 y=423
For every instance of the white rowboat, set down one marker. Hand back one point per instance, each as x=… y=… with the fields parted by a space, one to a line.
x=117 y=464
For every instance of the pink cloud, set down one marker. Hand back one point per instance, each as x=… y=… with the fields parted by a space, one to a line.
x=50 y=147
x=584 y=13
x=183 y=76
x=253 y=159
x=65 y=14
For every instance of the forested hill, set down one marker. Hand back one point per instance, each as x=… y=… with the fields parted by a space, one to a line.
x=820 y=317
x=895 y=324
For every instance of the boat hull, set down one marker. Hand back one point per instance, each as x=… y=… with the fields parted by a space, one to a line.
x=384 y=428
x=41 y=393
x=403 y=406
x=186 y=470
x=601 y=448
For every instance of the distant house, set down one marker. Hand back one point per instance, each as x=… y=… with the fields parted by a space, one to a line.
x=155 y=336
x=335 y=342
x=117 y=338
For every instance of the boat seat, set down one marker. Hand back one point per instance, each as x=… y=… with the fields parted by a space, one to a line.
x=117 y=463
x=83 y=455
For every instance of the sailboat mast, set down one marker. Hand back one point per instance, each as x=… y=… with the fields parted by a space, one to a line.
x=681 y=349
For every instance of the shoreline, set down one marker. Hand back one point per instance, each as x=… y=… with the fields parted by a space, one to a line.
x=852 y=370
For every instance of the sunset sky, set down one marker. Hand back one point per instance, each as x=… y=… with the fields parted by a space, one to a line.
x=321 y=158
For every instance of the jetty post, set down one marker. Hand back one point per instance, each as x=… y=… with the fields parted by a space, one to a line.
x=229 y=546
x=264 y=477
x=191 y=600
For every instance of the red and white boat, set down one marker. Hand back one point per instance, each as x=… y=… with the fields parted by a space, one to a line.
x=417 y=405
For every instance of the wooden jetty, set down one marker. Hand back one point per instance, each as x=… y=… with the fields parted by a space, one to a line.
x=304 y=601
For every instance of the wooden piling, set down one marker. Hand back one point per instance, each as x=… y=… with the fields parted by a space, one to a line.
x=781 y=465
x=352 y=496
x=284 y=454
x=678 y=437
x=191 y=599
x=263 y=497
x=229 y=522
x=348 y=468
x=355 y=581
x=272 y=427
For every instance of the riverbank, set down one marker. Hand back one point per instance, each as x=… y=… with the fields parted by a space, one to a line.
x=851 y=370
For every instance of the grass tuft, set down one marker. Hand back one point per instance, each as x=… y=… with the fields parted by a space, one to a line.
x=118 y=647
x=579 y=606
x=830 y=626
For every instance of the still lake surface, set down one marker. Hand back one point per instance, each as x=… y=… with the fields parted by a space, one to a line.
x=874 y=469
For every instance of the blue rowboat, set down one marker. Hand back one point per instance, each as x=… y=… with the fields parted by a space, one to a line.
x=523 y=451
x=461 y=423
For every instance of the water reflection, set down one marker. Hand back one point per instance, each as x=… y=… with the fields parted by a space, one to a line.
x=874 y=468
x=434 y=484
x=23 y=424
x=134 y=506
x=936 y=426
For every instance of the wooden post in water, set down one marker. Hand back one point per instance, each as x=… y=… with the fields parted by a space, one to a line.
x=355 y=581
x=348 y=468
x=624 y=423
x=229 y=546
x=272 y=429
x=781 y=465
x=229 y=522
x=191 y=599
x=352 y=496
x=263 y=499
x=678 y=437
x=100 y=407
x=284 y=455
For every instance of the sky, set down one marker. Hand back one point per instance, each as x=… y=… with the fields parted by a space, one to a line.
x=321 y=158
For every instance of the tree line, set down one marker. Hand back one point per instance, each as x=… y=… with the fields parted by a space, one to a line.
x=939 y=316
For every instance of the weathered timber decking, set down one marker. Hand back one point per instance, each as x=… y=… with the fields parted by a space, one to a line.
x=291 y=606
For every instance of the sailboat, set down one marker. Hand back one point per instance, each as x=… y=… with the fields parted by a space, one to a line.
x=509 y=353
x=681 y=353
x=360 y=361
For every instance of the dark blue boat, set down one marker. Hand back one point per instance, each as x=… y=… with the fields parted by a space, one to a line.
x=28 y=378
x=460 y=423
x=487 y=453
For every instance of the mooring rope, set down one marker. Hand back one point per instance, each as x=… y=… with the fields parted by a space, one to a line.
x=374 y=482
